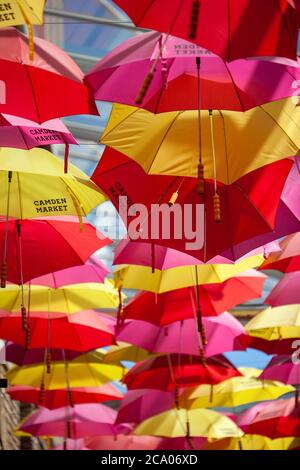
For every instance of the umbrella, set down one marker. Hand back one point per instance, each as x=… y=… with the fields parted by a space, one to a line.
x=25 y=134
x=231 y=146
x=20 y=355
x=189 y=423
x=224 y=27
x=39 y=246
x=71 y=444
x=276 y=346
x=223 y=333
x=142 y=277
x=71 y=422
x=288 y=259
x=235 y=392
x=252 y=442
x=124 y=352
x=245 y=200
x=80 y=332
x=174 y=370
x=53 y=399
x=274 y=419
x=80 y=372
x=181 y=304
x=175 y=81
x=286 y=291
x=122 y=442
x=62 y=92
x=276 y=323
x=181 y=443
x=92 y=271
x=282 y=368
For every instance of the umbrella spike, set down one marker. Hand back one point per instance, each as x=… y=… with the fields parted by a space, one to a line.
x=194 y=19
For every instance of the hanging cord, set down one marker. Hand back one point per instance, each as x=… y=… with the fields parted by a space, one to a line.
x=194 y=19
x=173 y=379
x=175 y=195
x=118 y=281
x=68 y=434
x=216 y=197
x=4 y=261
x=23 y=308
x=48 y=355
x=201 y=328
x=42 y=393
x=188 y=432
x=152 y=258
x=28 y=329
x=201 y=186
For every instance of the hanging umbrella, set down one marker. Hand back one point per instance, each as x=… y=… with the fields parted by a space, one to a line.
x=38 y=246
x=276 y=323
x=80 y=332
x=181 y=443
x=231 y=146
x=189 y=423
x=252 y=442
x=49 y=86
x=57 y=398
x=181 y=304
x=142 y=277
x=286 y=291
x=276 y=346
x=288 y=259
x=71 y=422
x=235 y=392
x=174 y=370
x=282 y=368
x=71 y=444
x=178 y=75
x=122 y=442
x=92 y=271
x=273 y=419
x=223 y=333
x=22 y=133
x=116 y=354
x=20 y=355
x=224 y=27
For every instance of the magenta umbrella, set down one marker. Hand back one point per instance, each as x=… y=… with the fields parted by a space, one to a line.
x=283 y=369
x=71 y=444
x=92 y=271
x=22 y=356
x=122 y=442
x=178 y=65
x=286 y=292
x=72 y=422
x=223 y=333
x=182 y=443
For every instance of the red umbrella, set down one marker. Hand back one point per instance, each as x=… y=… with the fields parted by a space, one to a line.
x=81 y=331
x=288 y=259
x=22 y=356
x=173 y=371
x=282 y=346
x=58 y=398
x=49 y=86
x=230 y=28
x=248 y=208
x=39 y=246
x=162 y=309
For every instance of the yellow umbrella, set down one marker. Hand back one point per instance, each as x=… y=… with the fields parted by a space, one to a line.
x=125 y=352
x=250 y=372
x=234 y=392
x=142 y=277
x=33 y=184
x=253 y=442
x=67 y=299
x=189 y=423
x=77 y=373
x=276 y=323
x=232 y=144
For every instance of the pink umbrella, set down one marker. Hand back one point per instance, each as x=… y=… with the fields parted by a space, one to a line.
x=71 y=444
x=223 y=333
x=92 y=271
x=182 y=443
x=223 y=85
x=288 y=259
x=122 y=442
x=286 y=292
x=138 y=405
x=283 y=369
x=72 y=422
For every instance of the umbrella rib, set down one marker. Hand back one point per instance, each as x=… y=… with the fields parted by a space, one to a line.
x=262 y=107
x=33 y=93
x=253 y=205
x=235 y=86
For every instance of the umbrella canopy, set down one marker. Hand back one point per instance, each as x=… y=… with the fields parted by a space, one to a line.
x=276 y=323
x=224 y=27
x=92 y=271
x=235 y=392
x=39 y=240
x=67 y=299
x=288 y=259
x=53 y=399
x=276 y=346
x=274 y=420
x=18 y=12
x=71 y=444
x=181 y=443
x=223 y=85
x=72 y=422
x=189 y=423
x=223 y=333
x=25 y=134
x=20 y=355
x=116 y=354
x=253 y=442
x=122 y=442
x=167 y=143
x=286 y=292
x=142 y=277
x=80 y=332
x=35 y=185
x=181 y=304
x=63 y=92
x=175 y=370
x=81 y=372
x=282 y=368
